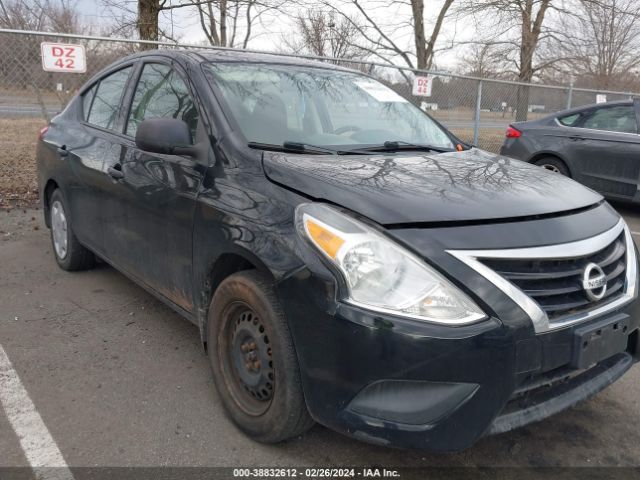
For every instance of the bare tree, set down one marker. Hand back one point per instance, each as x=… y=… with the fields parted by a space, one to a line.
x=425 y=48
x=601 y=42
x=144 y=16
x=229 y=23
x=484 y=60
x=40 y=15
x=147 y=20
x=382 y=26
x=20 y=64
x=324 y=33
x=522 y=26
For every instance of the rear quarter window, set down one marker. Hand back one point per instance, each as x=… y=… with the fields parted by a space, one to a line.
x=570 y=120
x=106 y=102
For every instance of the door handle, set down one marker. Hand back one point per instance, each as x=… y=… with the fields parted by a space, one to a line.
x=116 y=171
x=576 y=137
x=62 y=151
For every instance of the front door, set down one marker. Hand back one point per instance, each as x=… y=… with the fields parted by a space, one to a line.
x=152 y=206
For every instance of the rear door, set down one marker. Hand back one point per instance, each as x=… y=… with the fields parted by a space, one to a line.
x=606 y=151
x=96 y=141
x=151 y=208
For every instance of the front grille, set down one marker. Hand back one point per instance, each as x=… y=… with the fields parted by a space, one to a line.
x=556 y=284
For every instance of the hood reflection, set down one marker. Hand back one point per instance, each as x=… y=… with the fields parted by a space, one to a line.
x=456 y=186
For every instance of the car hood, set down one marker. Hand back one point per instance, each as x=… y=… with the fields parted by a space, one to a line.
x=422 y=188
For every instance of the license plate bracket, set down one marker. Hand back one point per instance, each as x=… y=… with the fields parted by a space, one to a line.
x=598 y=341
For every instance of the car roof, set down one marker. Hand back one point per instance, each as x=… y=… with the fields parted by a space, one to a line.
x=564 y=113
x=230 y=55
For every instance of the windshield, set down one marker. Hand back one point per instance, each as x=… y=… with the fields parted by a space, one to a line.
x=274 y=104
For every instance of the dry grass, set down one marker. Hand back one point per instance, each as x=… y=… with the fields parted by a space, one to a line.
x=488 y=139
x=18 y=178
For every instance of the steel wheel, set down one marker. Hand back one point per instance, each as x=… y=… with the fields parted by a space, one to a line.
x=254 y=364
x=59 y=230
x=248 y=363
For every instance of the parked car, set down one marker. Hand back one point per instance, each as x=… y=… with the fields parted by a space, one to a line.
x=346 y=262
x=597 y=145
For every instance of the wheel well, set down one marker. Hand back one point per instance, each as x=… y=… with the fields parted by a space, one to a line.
x=225 y=266
x=540 y=156
x=49 y=188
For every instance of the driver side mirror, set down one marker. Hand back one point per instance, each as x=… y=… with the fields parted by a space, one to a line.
x=169 y=136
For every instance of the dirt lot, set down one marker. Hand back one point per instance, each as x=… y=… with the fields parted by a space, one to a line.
x=119 y=379
x=18 y=181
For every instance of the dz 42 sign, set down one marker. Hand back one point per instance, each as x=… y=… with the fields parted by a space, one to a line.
x=63 y=57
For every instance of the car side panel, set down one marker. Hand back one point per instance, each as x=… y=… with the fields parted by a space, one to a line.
x=608 y=162
x=538 y=141
x=79 y=174
x=150 y=214
x=242 y=214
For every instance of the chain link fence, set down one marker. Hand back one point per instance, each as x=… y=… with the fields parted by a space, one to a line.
x=477 y=110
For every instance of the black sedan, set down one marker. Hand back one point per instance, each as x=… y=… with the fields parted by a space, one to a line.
x=597 y=145
x=345 y=258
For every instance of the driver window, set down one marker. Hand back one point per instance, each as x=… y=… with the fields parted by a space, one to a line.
x=161 y=93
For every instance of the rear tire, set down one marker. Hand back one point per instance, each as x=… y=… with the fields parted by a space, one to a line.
x=255 y=367
x=69 y=253
x=553 y=164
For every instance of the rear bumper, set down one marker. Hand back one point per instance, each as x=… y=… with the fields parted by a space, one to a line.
x=515 y=148
x=399 y=383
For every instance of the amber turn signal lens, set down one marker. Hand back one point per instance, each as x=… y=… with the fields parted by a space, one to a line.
x=328 y=241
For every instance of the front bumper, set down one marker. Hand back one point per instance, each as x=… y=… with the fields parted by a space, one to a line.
x=396 y=382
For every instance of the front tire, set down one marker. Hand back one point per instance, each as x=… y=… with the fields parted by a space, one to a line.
x=254 y=363
x=69 y=253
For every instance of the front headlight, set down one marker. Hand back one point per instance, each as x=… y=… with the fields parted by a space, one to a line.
x=381 y=275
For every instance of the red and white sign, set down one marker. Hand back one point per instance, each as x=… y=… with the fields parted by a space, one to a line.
x=63 y=57
x=422 y=86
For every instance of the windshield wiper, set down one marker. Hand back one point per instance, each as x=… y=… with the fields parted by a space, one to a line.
x=294 y=147
x=397 y=145
x=388 y=146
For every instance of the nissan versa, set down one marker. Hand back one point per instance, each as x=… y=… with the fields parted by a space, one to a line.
x=346 y=258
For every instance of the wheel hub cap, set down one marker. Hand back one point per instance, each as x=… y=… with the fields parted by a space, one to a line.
x=251 y=356
x=552 y=168
x=59 y=229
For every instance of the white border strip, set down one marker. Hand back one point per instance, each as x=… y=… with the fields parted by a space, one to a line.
x=38 y=445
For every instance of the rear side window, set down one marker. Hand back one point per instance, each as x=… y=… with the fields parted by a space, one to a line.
x=613 y=119
x=161 y=93
x=106 y=103
x=87 y=98
x=570 y=120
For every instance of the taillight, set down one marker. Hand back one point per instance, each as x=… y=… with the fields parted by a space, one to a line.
x=42 y=131
x=513 y=132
